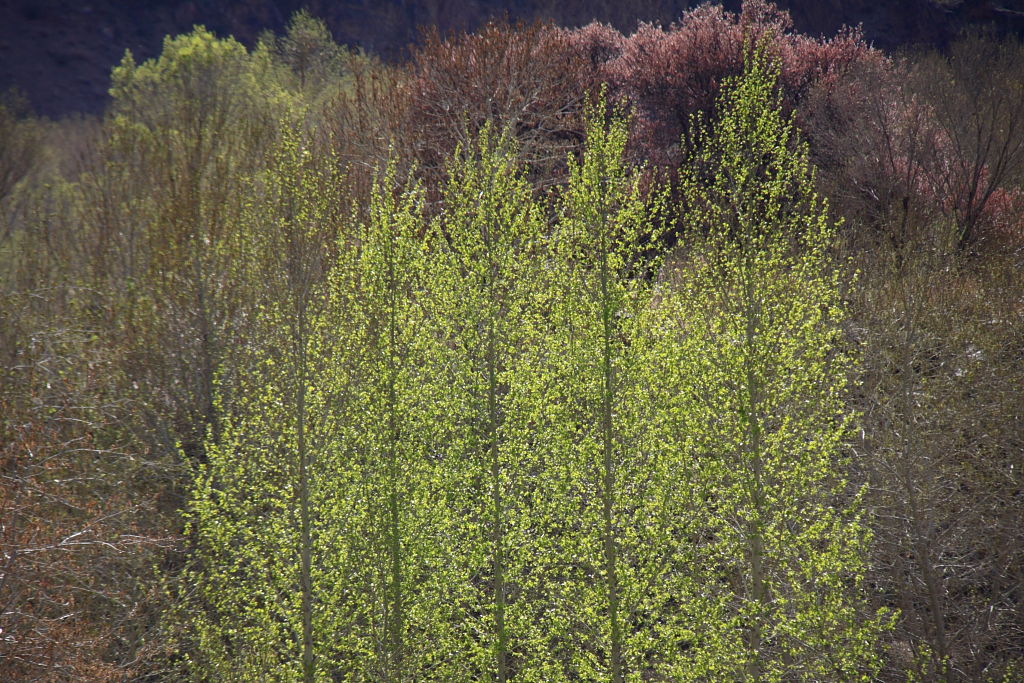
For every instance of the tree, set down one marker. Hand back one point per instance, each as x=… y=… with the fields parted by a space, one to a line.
x=528 y=80
x=940 y=450
x=314 y=521
x=161 y=200
x=619 y=507
x=264 y=504
x=484 y=259
x=309 y=50
x=977 y=100
x=785 y=548
x=391 y=456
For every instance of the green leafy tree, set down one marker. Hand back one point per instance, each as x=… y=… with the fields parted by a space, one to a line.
x=162 y=200
x=785 y=544
x=321 y=68
x=619 y=501
x=308 y=48
x=268 y=567
x=315 y=519
x=485 y=269
x=401 y=589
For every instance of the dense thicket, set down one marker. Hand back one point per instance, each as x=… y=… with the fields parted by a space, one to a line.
x=317 y=367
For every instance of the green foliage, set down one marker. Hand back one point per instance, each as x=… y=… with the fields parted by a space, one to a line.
x=313 y=517
x=319 y=66
x=479 y=429
x=485 y=272
x=195 y=73
x=786 y=545
x=263 y=507
x=486 y=449
x=391 y=463
x=619 y=501
x=309 y=50
x=164 y=200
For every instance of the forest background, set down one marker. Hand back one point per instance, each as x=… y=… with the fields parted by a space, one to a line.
x=170 y=267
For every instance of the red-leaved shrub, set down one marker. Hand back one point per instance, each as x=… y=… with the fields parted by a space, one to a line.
x=905 y=150
x=531 y=80
x=668 y=74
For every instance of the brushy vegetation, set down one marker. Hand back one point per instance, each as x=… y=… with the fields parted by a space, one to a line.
x=549 y=354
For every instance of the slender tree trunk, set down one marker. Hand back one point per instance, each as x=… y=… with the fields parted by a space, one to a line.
x=608 y=465
x=305 y=542
x=755 y=461
x=206 y=344
x=497 y=507
x=494 y=455
x=207 y=341
x=396 y=625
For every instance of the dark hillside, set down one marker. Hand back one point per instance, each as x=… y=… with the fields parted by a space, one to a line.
x=60 y=53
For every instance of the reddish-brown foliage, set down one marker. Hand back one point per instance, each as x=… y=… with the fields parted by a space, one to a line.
x=1002 y=220
x=668 y=74
x=903 y=152
x=533 y=79
x=871 y=140
x=528 y=79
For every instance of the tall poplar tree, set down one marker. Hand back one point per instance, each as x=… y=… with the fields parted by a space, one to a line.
x=165 y=195
x=785 y=546
x=268 y=572
x=620 y=501
x=485 y=267
x=399 y=588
